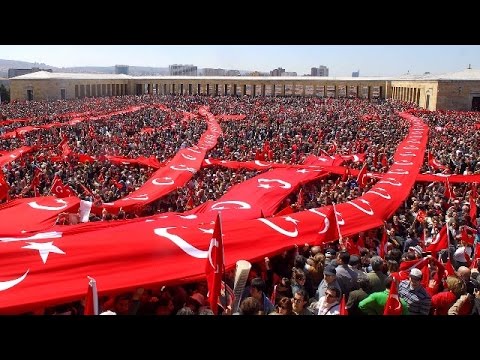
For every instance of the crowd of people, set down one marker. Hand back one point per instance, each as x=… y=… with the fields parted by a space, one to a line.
x=307 y=279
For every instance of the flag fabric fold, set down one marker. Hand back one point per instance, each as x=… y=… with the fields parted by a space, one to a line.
x=393 y=306
x=91 y=302
x=343 y=306
x=214 y=265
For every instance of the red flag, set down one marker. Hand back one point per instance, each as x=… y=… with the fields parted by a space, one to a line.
x=473 y=210
x=343 y=306
x=449 y=270
x=475 y=256
x=190 y=203
x=333 y=148
x=351 y=247
x=393 y=306
x=214 y=265
x=449 y=194
x=59 y=189
x=440 y=241
x=362 y=177
x=91 y=302
x=86 y=191
x=383 y=243
x=300 y=199
x=4 y=188
x=466 y=236
x=36 y=177
x=434 y=163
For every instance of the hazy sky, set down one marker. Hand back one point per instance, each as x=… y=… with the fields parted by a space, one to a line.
x=371 y=60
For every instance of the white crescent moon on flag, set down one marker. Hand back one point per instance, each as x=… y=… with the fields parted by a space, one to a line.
x=181 y=243
x=158 y=183
x=188 y=217
x=34 y=205
x=391 y=181
x=398 y=302
x=279 y=229
x=259 y=163
x=403 y=162
x=142 y=197
x=326 y=222
x=380 y=192
x=195 y=151
x=283 y=184
x=183 y=167
x=361 y=208
x=242 y=204
x=189 y=157
x=398 y=172
x=4 y=285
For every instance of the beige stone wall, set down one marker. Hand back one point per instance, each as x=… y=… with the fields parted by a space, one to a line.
x=457 y=95
x=51 y=89
x=409 y=90
x=295 y=87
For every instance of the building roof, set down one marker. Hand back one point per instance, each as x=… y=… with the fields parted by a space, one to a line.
x=45 y=75
x=267 y=78
x=467 y=74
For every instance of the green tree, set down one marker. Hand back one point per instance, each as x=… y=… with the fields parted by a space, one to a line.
x=4 y=94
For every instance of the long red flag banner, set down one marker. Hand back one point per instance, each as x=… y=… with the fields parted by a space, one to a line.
x=49 y=267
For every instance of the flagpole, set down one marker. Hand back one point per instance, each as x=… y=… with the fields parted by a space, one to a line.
x=223 y=265
x=448 y=239
x=338 y=225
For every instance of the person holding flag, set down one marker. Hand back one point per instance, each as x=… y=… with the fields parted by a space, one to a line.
x=384 y=302
x=415 y=295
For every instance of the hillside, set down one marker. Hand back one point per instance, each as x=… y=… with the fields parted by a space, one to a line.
x=134 y=70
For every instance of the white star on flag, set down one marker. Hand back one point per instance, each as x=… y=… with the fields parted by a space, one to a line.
x=44 y=249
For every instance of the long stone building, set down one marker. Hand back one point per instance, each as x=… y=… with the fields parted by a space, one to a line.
x=455 y=91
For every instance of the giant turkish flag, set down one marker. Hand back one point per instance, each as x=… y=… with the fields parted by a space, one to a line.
x=50 y=267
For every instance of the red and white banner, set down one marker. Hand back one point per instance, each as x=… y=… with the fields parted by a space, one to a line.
x=23 y=217
x=49 y=267
x=176 y=173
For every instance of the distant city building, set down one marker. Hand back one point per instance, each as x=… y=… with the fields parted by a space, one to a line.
x=320 y=71
x=289 y=73
x=19 y=72
x=257 y=73
x=356 y=73
x=182 y=70
x=458 y=90
x=213 y=72
x=121 y=69
x=277 y=72
x=233 y=73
